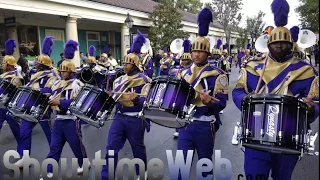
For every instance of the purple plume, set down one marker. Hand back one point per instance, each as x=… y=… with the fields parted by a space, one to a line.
x=92 y=50
x=219 y=43
x=47 y=45
x=140 y=33
x=10 y=45
x=248 y=46
x=226 y=46
x=280 y=9
x=165 y=49
x=186 y=46
x=295 y=33
x=129 y=51
x=137 y=44
x=205 y=17
x=70 y=48
x=106 y=49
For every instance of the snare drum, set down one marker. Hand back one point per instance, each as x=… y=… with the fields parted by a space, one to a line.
x=28 y=104
x=274 y=123
x=92 y=105
x=7 y=90
x=168 y=102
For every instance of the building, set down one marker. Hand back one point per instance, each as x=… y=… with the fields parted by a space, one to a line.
x=90 y=22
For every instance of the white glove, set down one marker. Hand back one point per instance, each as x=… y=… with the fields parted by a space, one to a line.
x=76 y=86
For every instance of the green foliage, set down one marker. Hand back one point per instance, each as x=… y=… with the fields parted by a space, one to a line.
x=255 y=25
x=242 y=40
x=191 y=6
x=227 y=12
x=166 y=25
x=309 y=14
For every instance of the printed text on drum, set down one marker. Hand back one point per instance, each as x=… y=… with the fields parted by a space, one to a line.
x=155 y=166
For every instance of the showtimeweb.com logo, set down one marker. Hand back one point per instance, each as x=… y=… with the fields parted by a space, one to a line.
x=155 y=167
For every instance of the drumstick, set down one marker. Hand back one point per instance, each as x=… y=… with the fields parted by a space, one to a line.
x=213 y=98
x=260 y=79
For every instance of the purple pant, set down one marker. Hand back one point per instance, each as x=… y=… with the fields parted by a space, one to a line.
x=259 y=163
x=121 y=129
x=66 y=131
x=197 y=136
x=14 y=125
x=26 y=134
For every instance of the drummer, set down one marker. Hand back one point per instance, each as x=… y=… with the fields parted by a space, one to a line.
x=303 y=82
x=165 y=62
x=66 y=127
x=127 y=124
x=43 y=81
x=216 y=60
x=100 y=72
x=185 y=63
x=11 y=74
x=208 y=81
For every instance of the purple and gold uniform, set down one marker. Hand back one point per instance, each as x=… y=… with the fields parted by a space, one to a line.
x=165 y=63
x=15 y=78
x=286 y=76
x=127 y=124
x=200 y=134
x=147 y=63
x=66 y=128
x=43 y=80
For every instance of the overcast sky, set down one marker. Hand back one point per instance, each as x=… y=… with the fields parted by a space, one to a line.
x=251 y=8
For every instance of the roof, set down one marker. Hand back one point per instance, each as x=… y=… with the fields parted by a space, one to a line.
x=148 y=6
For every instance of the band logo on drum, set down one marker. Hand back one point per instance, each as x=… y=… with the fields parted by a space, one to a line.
x=273 y=112
x=159 y=93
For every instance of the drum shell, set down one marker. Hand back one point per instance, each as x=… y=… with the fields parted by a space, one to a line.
x=23 y=102
x=170 y=98
x=273 y=122
x=7 y=90
x=90 y=103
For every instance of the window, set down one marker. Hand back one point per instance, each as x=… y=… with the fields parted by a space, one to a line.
x=58 y=35
x=93 y=36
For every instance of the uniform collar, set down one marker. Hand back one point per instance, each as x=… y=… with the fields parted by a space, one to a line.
x=134 y=72
x=202 y=64
x=288 y=57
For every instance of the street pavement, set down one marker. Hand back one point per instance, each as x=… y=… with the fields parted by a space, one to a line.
x=157 y=141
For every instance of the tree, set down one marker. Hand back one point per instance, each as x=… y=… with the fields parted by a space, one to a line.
x=309 y=14
x=255 y=25
x=166 y=25
x=191 y=6
x=227 y=13
x=242 y=40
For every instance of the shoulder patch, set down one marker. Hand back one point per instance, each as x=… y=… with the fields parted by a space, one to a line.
x=223 y=81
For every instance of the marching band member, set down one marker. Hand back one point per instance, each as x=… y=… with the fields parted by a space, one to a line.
x=43 y=81
x=100 y=72
x=127 y=124
x=246 y=58
x=227 y=60
x=66 y=128
x=185 y=63
x=104 y=61
x=165 y=62
x=147 y=63
x=300 y=80
x=11 y=74
x=241 y=53
x=209 y=81
x=216 y=55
